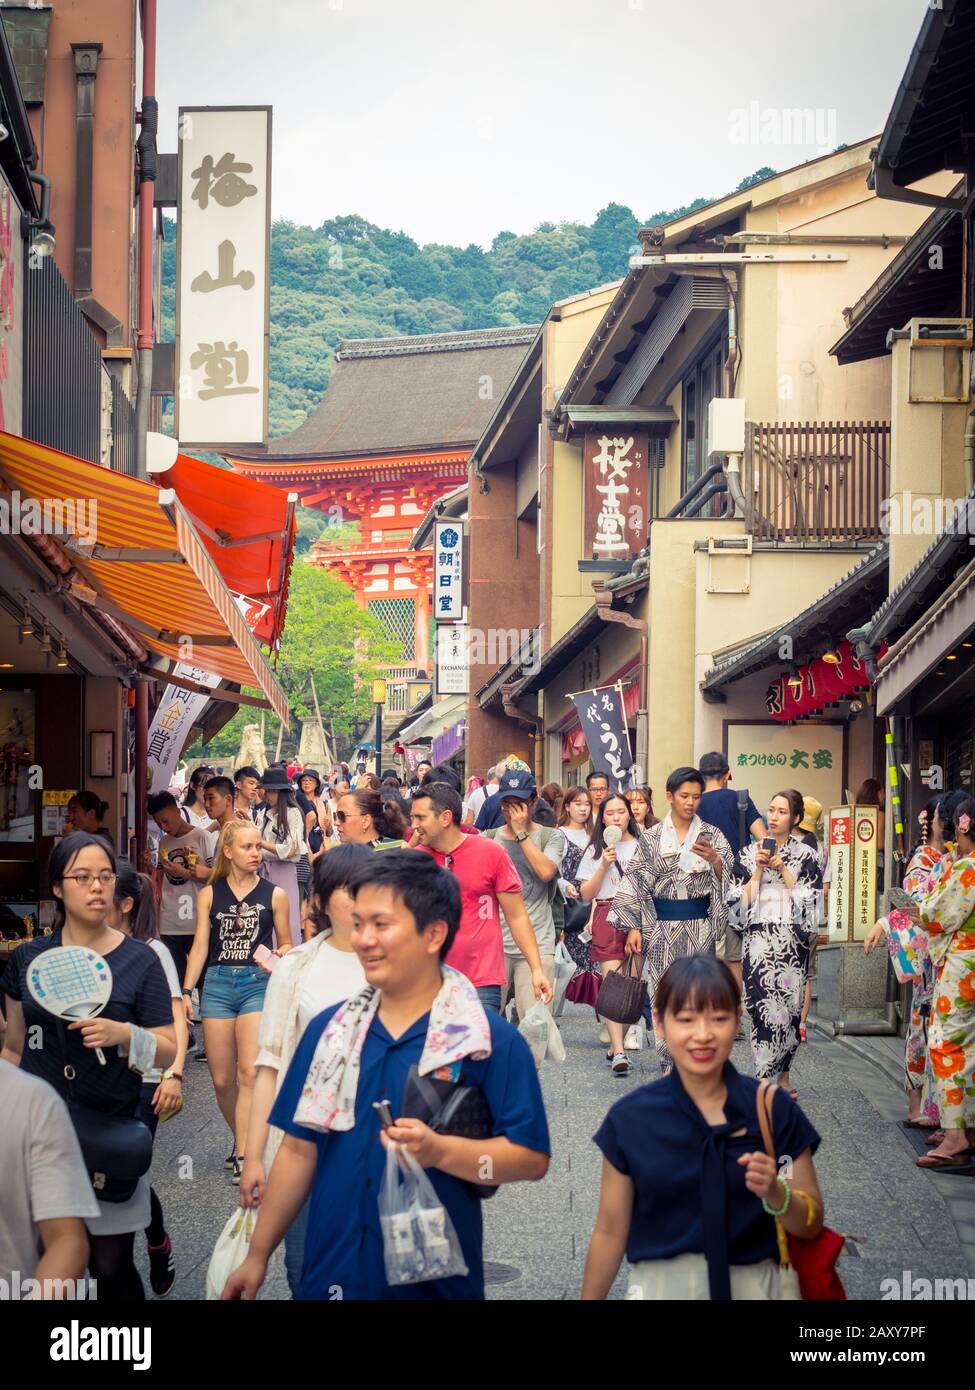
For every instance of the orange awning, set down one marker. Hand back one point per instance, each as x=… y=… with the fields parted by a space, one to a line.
x=137 y=548
x=247 y=527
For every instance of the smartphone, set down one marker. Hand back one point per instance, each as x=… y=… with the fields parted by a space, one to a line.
x=768 y=845
x=266 y=958
x=385 y=1113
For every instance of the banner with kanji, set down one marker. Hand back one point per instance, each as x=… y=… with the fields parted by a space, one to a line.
x=615 y=471
x=602 y=718
x=172 y=722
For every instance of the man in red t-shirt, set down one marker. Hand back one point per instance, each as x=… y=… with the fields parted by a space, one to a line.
x=488 y=880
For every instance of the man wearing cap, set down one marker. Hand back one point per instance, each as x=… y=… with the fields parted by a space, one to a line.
x=536 y=853
x=490 y=816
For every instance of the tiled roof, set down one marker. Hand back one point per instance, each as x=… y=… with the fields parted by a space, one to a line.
x=392 y=394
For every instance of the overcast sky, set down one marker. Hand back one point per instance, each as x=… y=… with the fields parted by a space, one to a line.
x=455 y=119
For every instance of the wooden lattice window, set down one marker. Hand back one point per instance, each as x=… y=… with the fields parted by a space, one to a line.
x=397 y=617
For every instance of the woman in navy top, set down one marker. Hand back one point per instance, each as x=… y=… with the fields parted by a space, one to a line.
x=687 y=1187
x=82 y=871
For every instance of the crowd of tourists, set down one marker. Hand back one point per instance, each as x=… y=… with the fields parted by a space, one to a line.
x=330 y=945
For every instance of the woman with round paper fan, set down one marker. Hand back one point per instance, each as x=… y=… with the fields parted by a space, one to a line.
x=83 y=872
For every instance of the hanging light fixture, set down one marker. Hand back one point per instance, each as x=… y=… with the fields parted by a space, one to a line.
x=26 y=628
x=831 y=658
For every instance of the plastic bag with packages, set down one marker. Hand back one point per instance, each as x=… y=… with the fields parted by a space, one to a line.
x=419 y=1240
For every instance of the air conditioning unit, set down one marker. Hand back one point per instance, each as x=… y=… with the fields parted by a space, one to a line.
x=940 y=362
x=726 y=426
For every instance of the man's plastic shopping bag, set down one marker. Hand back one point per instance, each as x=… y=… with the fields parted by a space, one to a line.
x=541 y=1033
x=419 y=1240
x=230 y=1250
x=565 y=968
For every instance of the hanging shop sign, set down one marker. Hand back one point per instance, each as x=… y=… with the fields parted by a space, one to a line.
x=841 y=873
x=452 y=659
x=767 y=757
x=171 y=724
x=616 y=478
x=448 y=571
x=223 y=252
x=602 y=719
x=863 y=899
x=811 y=688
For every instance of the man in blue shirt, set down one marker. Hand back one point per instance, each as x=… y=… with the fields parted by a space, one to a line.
x=407 y=912
x=719 y=807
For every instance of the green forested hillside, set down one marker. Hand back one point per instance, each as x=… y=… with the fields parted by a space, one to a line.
x=350 y=279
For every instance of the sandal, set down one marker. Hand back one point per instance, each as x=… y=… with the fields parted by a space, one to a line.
x=936 y=1137
x=936 y=1161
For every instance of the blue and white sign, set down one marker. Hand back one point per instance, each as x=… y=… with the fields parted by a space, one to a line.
x=448 y=571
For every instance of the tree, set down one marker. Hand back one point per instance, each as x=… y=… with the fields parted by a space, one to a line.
x=323 y=629
x=611 y=236
x=764 y=173
x=327 y=638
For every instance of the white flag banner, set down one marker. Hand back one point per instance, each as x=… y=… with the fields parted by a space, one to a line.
x=177 y=712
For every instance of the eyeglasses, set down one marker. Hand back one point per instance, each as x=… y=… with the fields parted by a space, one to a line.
x=342 y=816
x=84 y=879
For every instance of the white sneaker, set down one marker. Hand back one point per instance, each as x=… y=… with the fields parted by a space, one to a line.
x=633 y=1042
x=621 y=1064
x=604 y=1035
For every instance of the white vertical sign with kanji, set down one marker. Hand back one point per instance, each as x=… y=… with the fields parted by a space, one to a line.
x=840 y=873
x=171 y=725
x=453 y=669
x=222 y=275
x=448 y=571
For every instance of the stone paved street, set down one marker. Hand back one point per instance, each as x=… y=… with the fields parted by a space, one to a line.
x=537 y=1234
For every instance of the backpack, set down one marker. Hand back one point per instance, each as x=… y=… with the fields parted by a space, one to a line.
x=554 y=896
x=743 y=832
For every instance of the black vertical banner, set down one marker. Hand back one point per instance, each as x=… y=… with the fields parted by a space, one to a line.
x=603 y=721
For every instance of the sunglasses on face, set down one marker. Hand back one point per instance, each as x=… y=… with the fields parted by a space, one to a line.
x=342 y=816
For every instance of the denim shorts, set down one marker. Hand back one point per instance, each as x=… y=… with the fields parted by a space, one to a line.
x=232 y=990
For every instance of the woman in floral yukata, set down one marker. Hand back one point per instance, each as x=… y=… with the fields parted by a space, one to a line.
x=948 y=917
x=922 y=867
x=777 y=897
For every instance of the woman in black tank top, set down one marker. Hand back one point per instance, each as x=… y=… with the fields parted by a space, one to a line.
x=242 y=922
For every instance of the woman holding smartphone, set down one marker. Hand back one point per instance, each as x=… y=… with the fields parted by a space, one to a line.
x=321 y=972
x=775 y=885
x=600 y=874
x=240 y=917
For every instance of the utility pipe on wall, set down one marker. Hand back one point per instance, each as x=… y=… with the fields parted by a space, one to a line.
x=145 y=336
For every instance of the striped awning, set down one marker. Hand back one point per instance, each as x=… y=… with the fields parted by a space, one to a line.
x=137 y=551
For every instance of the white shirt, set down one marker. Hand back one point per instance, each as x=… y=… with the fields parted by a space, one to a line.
x=177 y=900
x=154 y=1075
x=44 y=1175
x=332 y=977
x=613 y=876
